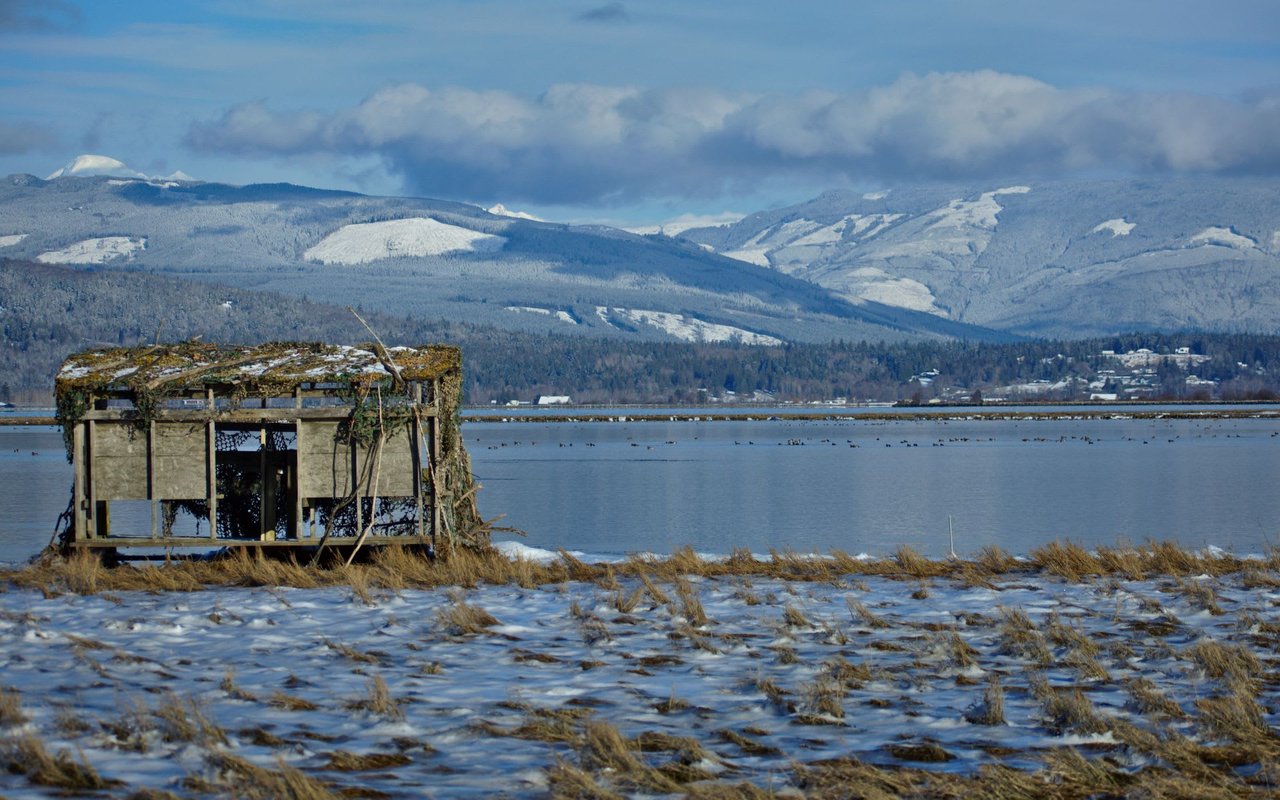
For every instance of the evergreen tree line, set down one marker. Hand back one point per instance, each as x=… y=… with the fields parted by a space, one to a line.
x=48 y=312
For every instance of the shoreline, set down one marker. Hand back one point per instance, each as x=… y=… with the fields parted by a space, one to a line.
x=957 y=413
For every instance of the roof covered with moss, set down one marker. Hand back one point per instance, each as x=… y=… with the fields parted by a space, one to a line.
x=276 y=366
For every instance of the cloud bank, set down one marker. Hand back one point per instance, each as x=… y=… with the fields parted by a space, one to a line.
x=598 y=144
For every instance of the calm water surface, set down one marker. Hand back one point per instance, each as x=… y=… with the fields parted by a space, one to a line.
x=616 y=487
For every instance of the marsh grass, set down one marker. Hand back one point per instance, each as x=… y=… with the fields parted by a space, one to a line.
x=241 y=778
x=185 y=721
x=378 y=700
x=461 y=619
x=860 y=613
x=27 y=756
x=11 y=713
x=690 y=604
x=290 y=702
x=394 y=568
x=990 y=711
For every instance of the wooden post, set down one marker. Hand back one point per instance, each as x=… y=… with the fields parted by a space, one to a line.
x=151 y=479
x=437 y=467
x=211 y=478
x=80 y=456
x=417 y=454
x=91 y=513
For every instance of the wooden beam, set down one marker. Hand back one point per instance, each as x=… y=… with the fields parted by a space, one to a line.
x=248 y=416
x=79 y=499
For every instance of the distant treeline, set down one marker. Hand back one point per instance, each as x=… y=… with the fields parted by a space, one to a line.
x=50 y=311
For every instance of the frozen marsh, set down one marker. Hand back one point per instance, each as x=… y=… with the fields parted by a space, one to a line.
x=1065 y=675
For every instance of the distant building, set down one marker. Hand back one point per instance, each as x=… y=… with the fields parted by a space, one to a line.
x=554 y=400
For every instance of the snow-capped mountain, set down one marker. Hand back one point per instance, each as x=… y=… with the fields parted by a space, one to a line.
x=430 y=258
x=90 y=166
x=1062 y=259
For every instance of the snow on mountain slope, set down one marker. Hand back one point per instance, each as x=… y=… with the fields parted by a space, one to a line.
x=1225 y=237
x=400 y=238
x=89 y=165
x=1037 y=259
x=1116 y=227
x=96 y=251
x=563 y=316
x=685 y=327
x=499 y=210
x=11 y=239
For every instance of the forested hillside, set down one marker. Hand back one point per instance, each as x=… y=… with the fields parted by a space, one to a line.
x=49 y=311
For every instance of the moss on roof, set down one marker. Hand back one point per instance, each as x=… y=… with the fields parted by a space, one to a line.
x=250 y=369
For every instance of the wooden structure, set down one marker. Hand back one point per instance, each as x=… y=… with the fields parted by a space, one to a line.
x=278 y=445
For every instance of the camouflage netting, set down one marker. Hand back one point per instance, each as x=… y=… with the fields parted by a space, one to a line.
x=374 y=380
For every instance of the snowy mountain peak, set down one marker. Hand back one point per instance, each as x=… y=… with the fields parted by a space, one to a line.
x=87 y=165
x=499 y=210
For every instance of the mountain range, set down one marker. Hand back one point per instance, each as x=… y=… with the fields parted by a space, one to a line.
x=926 y=262
x=1061 y=259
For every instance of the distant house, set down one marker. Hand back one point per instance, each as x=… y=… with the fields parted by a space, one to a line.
x=554 y=400
x=278 y=445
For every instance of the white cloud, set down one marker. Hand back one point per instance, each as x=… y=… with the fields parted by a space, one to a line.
x=589 y=143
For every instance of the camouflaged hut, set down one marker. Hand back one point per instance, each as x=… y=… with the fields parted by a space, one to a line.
x=282 y=445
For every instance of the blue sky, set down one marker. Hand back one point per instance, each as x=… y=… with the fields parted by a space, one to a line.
x=637 y=110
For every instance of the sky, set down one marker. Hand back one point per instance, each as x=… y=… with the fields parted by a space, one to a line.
x=636 y=111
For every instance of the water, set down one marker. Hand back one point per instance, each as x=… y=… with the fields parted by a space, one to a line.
x=617 y=487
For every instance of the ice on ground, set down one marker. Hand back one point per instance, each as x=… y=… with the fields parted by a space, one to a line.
x=563 y=316
x=687 y=328
x=96 y=251
x=1116 y=227
x=1224 y=237
x=11 y=239
x=361 y=243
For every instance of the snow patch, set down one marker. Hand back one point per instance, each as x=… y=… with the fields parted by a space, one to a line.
x=980 y=213
x=361 y=243
x=876 y=195
x=563 y=316
x=96 y=251
x=11 y=239
x=902 y=293
x=684 y=222
x=687 y=328
x=1224 y=237
x=752 y=255
x=1117 y=227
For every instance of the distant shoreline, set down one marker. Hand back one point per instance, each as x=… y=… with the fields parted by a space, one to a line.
x=942 y=414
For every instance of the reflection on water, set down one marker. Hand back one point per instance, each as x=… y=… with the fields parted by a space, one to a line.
x=853 y=485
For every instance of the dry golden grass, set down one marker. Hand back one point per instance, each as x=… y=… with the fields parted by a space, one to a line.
x=290 y=702
x=605 y=749
x=11 y=708
x=27 y=756
x=395 y=568
x=344 y=761
x=690 y=605
x=460 y=619
x=185 y=721
x=1071 y=710
x=228 y=685
x=378 y=700
x=243 y=779
x=860 y=613
x=991 y=710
